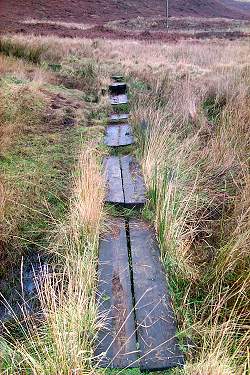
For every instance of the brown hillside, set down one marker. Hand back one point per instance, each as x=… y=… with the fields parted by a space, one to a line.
x=96 y=13
x=203 y=8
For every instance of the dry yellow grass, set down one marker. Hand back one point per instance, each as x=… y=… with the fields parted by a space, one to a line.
x=68 y=25
x=90 y=194
x=195 y=161
x=67 y=294
x=67 y=290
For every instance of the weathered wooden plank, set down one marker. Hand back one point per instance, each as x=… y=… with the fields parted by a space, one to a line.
x=118 y=88
x=118 y=135
x=133 y=183
x=117 y=340
x=116 y=118
x=113 y=176
x=112 y=135
x=119 y=99
x=117 y=78
x=126 y=135
x=156 y=324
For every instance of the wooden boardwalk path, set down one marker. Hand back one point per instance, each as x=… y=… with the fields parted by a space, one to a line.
x=118 y=135
x=124 y=181
x=156 y=324
x=119 y=99
x=139 y=323
x=118 y=88
x=117 y=118
x=118 y=337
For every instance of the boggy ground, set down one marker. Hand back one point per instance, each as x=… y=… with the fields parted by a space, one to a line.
x=193 y=99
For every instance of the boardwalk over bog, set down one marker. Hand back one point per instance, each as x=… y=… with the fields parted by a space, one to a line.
x=124 y=181
x=117 y=340
x=156 y=324
x=118 y=135
x=134 y=302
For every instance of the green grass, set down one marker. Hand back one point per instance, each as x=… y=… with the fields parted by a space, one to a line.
x=121 y=108
x=119 y=211
x=122 y=150
x=38 y=164
x=19 y=50
x=37 y=170
x=40 y=168
x=213 y=107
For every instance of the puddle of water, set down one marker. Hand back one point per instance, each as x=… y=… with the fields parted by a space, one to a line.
x=23 y=296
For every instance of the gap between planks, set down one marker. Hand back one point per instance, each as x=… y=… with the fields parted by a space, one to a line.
x=117 y=118
x=141 y=327
x=124 y=182
x=133 y=297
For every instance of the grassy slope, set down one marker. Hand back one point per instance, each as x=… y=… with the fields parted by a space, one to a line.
x=193 y=98
x=36 y=170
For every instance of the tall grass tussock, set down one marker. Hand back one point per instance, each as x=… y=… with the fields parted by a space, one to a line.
x=195 y=155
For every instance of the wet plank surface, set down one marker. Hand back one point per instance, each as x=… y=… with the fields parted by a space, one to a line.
x=118 y=88
x=118 y=338
x=118 y=135
x=156 y=325
x=116 y=118
x=113 y=176
x=118 y=99
x=124 y=181
x=131 y=275
x=133 y=183
x=126 y=135
x=117 y=78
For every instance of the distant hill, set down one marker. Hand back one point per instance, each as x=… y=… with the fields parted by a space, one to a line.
x=14 y=12
x=210 y=8
x=239 y=5
x=104 y=10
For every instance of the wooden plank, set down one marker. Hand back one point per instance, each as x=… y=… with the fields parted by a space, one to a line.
x=117 y=78
x=114 y=187
x=156 y=324
x=112 y=136
x=118 y=88
x=118 y=135
x=124 y=181
x=116 y=118
x=117 y=340
x=126 y=135
x=133 y=183
x=118 y=99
